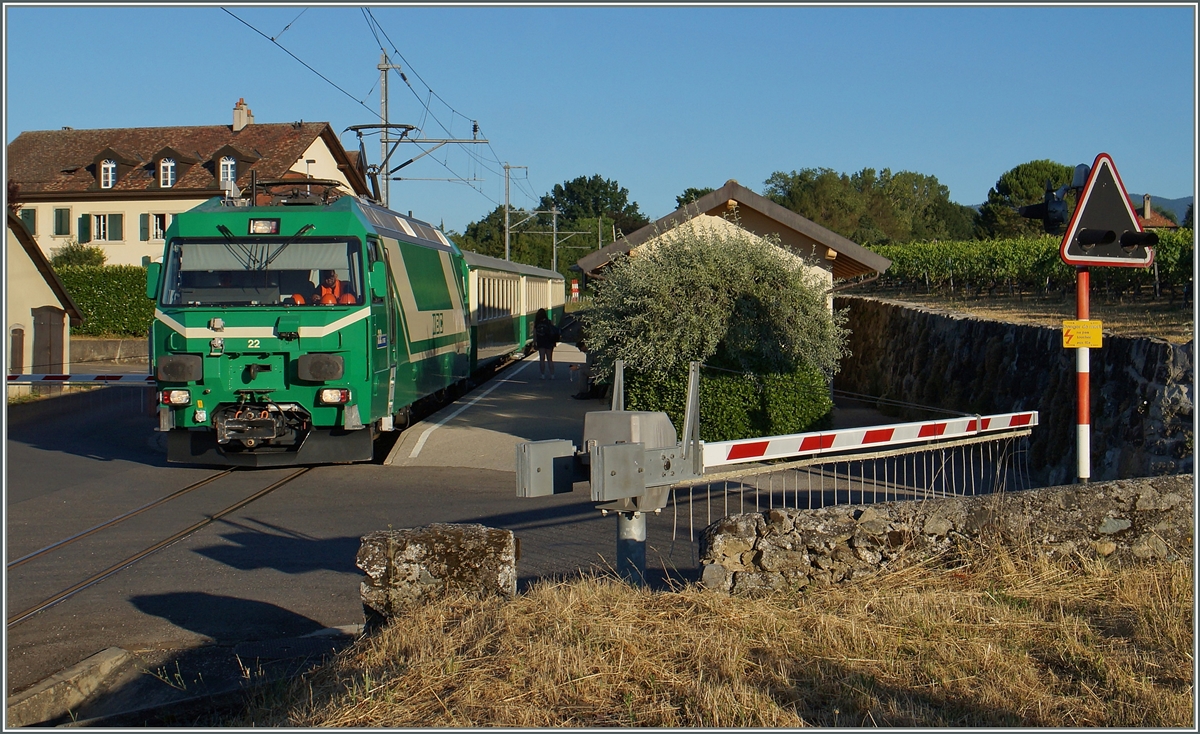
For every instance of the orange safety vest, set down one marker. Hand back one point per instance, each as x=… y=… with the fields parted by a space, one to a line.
x=335 y=291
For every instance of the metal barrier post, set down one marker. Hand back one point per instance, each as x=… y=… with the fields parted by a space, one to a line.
x=631 y=547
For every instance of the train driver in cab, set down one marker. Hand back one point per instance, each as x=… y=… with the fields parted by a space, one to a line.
x=333 y=291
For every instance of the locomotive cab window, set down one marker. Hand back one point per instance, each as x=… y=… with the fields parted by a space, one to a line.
x=256 y=272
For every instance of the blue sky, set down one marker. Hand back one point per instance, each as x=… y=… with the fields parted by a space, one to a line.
x=657 y=98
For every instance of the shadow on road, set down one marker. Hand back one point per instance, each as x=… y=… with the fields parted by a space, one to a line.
x=225 y=619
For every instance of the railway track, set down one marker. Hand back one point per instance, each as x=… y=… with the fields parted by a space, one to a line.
x=384 y=444
x=144 y=552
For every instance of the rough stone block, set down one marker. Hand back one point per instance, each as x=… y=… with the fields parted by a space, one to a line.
x=411 y=565
x=714 y=576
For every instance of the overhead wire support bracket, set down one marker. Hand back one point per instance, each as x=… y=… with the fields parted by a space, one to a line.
x=404 y=129
x=436 y=142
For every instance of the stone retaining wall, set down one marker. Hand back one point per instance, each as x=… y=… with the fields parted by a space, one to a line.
x=1141 y=389
x=108 y=350
x=1125 y=520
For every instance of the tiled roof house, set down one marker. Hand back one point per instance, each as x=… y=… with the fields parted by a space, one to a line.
x=1150 y=219
x=118 y=188
x=836 y=257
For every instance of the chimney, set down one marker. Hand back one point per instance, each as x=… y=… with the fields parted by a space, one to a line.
x=242 y=116
x=1146 y=206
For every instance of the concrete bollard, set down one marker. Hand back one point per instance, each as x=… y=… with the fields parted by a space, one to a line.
x=408 y=566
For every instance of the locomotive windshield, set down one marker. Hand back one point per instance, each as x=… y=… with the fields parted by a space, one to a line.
x=262 y=273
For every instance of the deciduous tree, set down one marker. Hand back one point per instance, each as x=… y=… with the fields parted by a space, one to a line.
x=585 y=197
x=1021 y=186
x=713 y=294
x=690 y=194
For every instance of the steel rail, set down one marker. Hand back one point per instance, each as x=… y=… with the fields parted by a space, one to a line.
x=121 y=565
x=118 y=519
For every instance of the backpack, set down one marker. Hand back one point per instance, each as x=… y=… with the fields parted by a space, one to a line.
x=547 y=334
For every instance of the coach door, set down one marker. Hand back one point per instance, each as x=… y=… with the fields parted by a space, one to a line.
x=48 y=324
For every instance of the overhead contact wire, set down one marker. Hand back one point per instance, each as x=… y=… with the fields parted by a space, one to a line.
x=303 y=63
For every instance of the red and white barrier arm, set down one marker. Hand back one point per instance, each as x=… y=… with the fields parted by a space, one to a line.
x=723 y=453
x=78 y=379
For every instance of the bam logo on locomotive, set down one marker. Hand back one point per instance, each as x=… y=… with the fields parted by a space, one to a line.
x=436 y=324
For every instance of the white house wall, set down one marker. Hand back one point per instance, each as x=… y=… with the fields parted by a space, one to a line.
x=325 y=165
x=25 y=289
x=129 y=250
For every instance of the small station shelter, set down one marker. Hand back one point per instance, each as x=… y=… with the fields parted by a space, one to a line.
x=40 y=312
x=734 y=205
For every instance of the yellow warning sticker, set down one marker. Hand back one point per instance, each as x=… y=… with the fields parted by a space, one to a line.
x=1078 y=334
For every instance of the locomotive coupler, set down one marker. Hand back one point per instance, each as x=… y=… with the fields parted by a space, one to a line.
x=254 y=420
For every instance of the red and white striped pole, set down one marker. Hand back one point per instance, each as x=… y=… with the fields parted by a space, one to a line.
x=1083 y=422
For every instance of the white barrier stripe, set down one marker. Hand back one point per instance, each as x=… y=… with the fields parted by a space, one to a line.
x=807 y=444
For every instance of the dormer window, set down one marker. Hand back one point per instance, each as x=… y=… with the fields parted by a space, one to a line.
x=166 y=173
x=108 y=174
x=228 y=169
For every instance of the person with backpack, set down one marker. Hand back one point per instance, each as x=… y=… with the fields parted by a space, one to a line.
x=545 y=338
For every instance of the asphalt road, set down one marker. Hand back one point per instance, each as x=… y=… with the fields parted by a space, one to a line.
x=284 y=565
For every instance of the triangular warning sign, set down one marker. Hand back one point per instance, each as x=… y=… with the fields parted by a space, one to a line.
x=1104 y=229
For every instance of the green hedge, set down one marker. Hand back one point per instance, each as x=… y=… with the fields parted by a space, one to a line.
x=1027 y=264
x=734 y=406
x=112 y=299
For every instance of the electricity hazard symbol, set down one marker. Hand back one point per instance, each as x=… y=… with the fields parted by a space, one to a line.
x=1081 y=334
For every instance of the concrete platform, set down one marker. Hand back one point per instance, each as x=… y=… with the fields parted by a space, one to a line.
x=481 y=430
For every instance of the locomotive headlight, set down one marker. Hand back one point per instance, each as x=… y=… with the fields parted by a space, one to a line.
x=333 y=396
x=175 y=398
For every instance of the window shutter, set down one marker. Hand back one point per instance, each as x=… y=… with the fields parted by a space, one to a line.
x=85 y=228
x=144 y=220
x=29 y=219
x=116 y=231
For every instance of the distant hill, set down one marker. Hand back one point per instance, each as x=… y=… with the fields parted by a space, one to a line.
x=1178 y=206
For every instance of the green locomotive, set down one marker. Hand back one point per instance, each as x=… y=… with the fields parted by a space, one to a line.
x=294 y=334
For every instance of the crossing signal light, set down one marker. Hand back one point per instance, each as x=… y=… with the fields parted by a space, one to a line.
x=1105 y=229
x=1052 y=211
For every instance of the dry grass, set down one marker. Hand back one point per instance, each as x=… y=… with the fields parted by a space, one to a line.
x=997 y=639
x=1135 y=317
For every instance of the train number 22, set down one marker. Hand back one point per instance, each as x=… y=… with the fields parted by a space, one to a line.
x=253 y=344
x=439 y=326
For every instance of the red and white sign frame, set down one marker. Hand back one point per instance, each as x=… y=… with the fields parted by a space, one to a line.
x=1104 y=159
